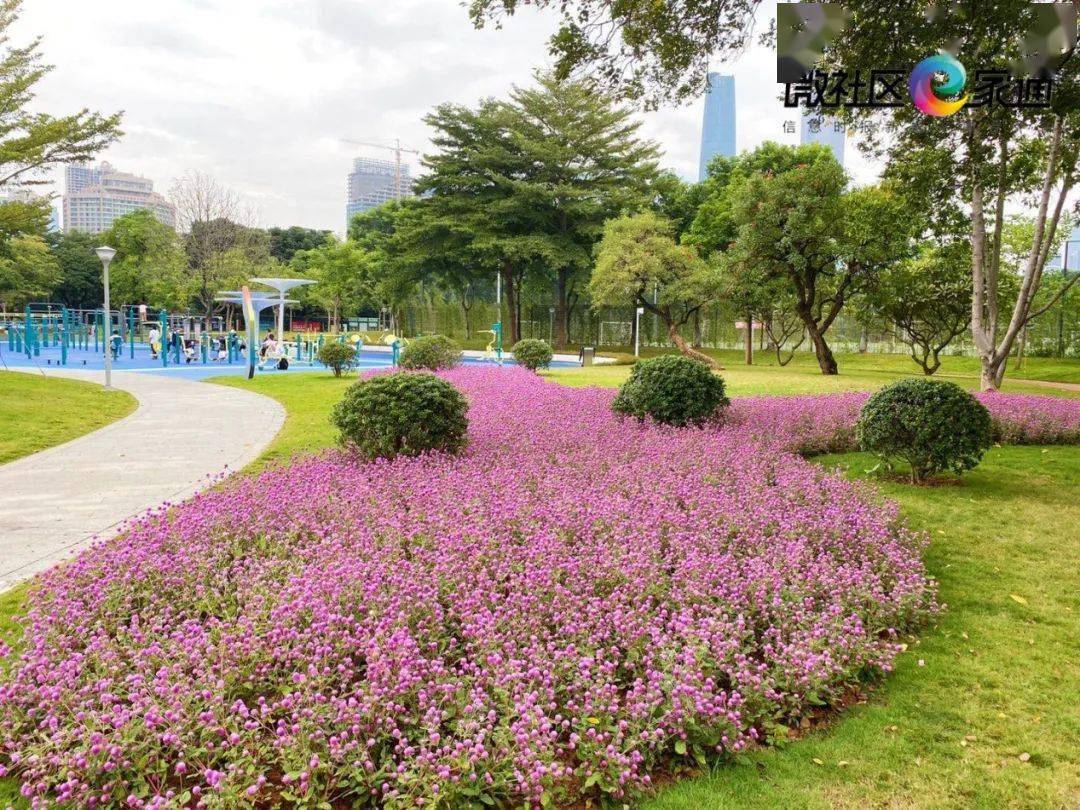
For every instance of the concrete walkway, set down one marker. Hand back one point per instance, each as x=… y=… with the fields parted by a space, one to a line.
x=55 y=503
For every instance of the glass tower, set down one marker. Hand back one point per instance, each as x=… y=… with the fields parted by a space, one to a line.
x=718 y=126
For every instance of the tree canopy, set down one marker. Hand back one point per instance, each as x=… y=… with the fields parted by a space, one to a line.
x=796 y=222
x=638 y=262
x=526 y=186
x=31 y=142
x=652 y=50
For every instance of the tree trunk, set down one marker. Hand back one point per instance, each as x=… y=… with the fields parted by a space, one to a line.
x=1020 y=348
x=748 y=339
x=697 y=330
x=864 y=340
x=465 y=311
x=510 y=329
x=687 y=349
x=560 y=337
x=824 y=354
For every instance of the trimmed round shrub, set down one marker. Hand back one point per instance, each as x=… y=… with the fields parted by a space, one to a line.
x=430 y=353
x=338 y=357
x=532 y=353
x=401 y=414
x=672 y=390
x=935 y=426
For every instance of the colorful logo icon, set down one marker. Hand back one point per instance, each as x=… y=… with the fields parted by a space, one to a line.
x=935 y=84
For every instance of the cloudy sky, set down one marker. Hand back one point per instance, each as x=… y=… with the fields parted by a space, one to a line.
x=261 y=93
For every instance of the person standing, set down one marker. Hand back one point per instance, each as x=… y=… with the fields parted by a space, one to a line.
x=154 y=337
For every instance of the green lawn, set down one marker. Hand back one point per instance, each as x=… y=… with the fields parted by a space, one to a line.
x=858 y=372
x=38 y=412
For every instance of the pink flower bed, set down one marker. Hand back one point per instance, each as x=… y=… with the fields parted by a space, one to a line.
x=573 y=603
x=826 y=423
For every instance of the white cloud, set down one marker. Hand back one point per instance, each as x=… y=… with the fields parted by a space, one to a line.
x=260 y=93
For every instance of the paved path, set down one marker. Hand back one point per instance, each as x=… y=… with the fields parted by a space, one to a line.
x=56 y=502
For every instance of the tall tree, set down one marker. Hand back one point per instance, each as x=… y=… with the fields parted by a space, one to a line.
x=586 y=165
x=150 y=266
x=990 y=157
x=80 y=284
x=32 y=142
x=538 y=176
x=469 y=206
x=637 y=255
x=801 y=225
x=287 y=242
x=28 y=271
x=344 y=275
x=654 y=50
x=216 y=223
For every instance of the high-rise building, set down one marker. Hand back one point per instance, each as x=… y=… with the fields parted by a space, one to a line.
x=96 y=197
x=718 y=126
x=373 y=182
x=824 y=130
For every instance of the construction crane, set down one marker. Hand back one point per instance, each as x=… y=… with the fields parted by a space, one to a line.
x=397 y=149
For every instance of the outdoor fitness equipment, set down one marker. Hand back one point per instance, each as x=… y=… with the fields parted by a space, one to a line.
x=494 y=350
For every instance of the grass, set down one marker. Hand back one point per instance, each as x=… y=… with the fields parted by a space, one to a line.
x=40 y=412
x=1000 y=674
x=858 y=372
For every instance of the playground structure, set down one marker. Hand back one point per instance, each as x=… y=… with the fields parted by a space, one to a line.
x=74 y=336
x=52 y=334
x=494 y=350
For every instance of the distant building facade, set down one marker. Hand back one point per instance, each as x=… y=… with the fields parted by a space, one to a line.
x=95 y=197
x=824 y=130
x=1068 y=258
x=373 y=182
x=718 y=125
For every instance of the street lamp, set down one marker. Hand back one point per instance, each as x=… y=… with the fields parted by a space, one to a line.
x=106 y=253
x=1061 y=303
x=637 y=330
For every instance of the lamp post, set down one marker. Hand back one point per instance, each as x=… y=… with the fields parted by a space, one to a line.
x=637 y=330
x=1061 y=303
x=106 y=253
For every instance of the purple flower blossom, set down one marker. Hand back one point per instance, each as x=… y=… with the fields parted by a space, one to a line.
x=561 y=609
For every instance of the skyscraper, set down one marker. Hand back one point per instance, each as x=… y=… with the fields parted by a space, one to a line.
x=373 y=182
x=95 y=197
x=718 y=126
x=824 y=130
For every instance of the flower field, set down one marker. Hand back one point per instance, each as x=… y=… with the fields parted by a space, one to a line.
x=826 y=423
x=574 y=603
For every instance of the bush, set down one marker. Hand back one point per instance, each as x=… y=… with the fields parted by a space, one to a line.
x=430 y=353
x=671 y=389
x=933 y=425
x=401 y=414
x=532 y=353
x=338 y=357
